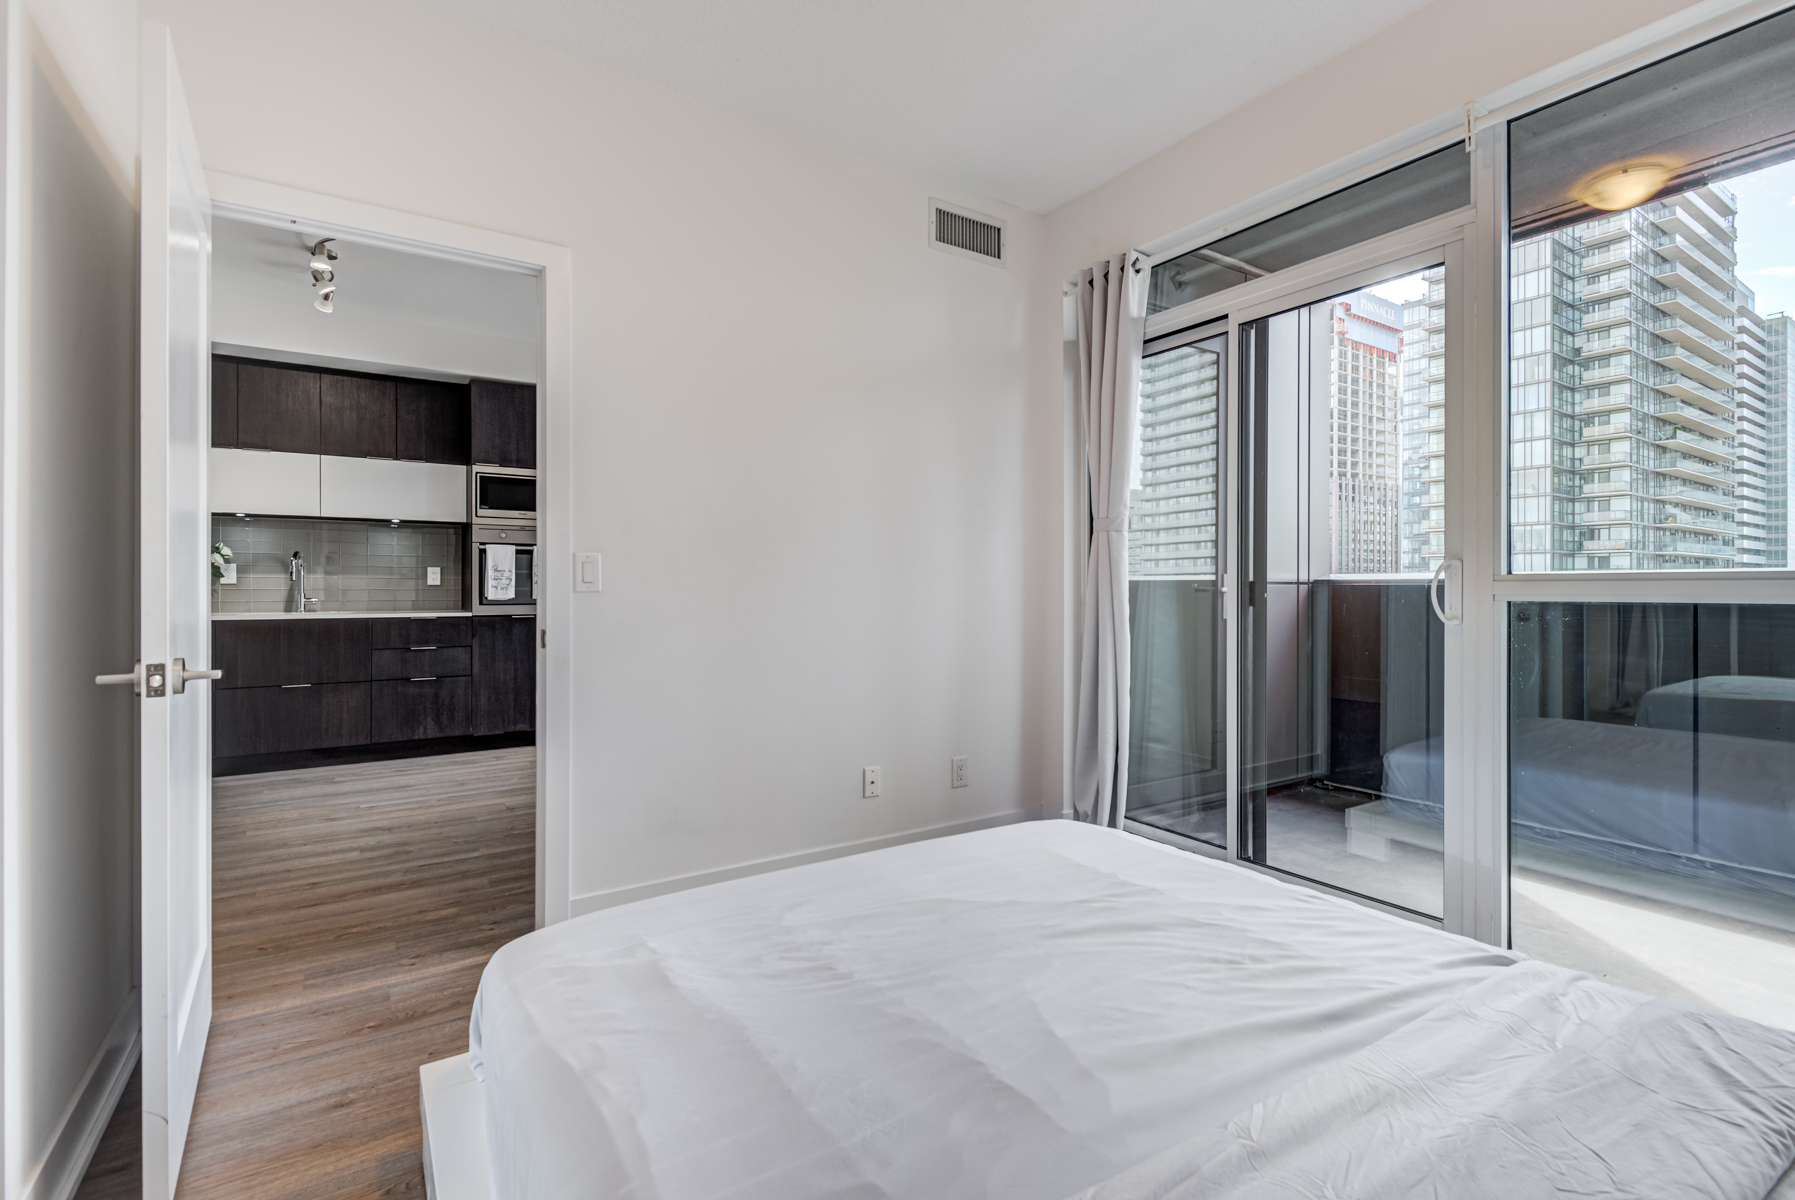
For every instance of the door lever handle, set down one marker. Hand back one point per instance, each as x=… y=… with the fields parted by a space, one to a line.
x=179 y=676
x=155 y=680
x=134 y=677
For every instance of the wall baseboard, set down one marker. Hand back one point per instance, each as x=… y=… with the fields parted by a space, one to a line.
x=579 y=906
x=86 y=1117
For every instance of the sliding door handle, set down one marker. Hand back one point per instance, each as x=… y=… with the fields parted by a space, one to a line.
x=1451 y=573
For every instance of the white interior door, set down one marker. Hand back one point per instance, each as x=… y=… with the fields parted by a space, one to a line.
x=176 y=717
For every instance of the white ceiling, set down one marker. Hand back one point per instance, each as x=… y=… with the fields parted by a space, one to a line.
x=1033 y=102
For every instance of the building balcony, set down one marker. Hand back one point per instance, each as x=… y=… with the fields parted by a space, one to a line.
x=1684 y=333
x=1596 y=433
x=1708 y=449
x=1607 y=544
x=1698 y=369
x=1696 y=471
x=1694 y=392
x=1684 y=235
x=1687 y=416
x=1695 y=288
x=1711 y=501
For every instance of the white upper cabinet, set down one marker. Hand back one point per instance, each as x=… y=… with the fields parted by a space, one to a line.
x=386 y=490
x=265 y=482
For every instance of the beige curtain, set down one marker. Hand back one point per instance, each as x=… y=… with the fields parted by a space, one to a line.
x=1112 y=309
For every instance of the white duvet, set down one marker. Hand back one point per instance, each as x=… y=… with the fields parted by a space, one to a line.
x=1046 y=1009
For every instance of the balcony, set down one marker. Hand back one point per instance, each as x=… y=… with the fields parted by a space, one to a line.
x=1712 y=501
x=1683 y=234
x=1698 y=394
x=1706 y=448
x=1687 y=416
x=1685 y=334
x=1596 y=433
x=1700 y=370
x=1697 y=472
x=1718 y=301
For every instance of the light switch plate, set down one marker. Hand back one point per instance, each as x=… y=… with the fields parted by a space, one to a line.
x=588 y=572
x=433 y=576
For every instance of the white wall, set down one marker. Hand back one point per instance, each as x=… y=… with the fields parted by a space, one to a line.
x=67 y=590
x=802 y=439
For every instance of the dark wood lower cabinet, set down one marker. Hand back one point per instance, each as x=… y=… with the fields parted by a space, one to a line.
x=364 y=681
x=409 y=709
x=505 y=666
x=277 y=720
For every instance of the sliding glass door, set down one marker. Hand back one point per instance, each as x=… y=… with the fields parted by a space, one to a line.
x=1177 y=754
x=1289 y=516
x=1343 y=698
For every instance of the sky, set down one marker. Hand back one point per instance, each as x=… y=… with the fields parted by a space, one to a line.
x=1767 y=236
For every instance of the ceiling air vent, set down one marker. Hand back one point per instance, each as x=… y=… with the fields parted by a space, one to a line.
x=971 y=234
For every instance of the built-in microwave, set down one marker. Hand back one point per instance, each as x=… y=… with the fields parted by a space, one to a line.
x=503 y=559
x=501 y=493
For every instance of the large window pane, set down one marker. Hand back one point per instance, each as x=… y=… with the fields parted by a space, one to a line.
x=1177 y=760
x=1652 y=797
x=1651 y=271
x=1344 y=657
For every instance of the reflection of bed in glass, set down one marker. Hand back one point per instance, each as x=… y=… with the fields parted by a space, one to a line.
x=1710 y=805
x=1639 y=759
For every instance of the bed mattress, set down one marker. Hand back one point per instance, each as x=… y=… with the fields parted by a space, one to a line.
x=1027 y=1012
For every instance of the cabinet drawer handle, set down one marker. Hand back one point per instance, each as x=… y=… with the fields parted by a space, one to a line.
x=422 y=678
x=293 y=685
x=423 y=647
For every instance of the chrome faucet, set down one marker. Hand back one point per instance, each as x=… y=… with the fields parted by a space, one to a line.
x=296 y=572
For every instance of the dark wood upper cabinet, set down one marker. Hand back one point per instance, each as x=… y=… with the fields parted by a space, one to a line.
x=356 y=416
x=224 y=402
x=504 y=423
x=432 y=421
x=277 y=408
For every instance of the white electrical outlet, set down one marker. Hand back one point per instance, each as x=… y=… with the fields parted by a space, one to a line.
x=958 y=774
x=869 y=783
x=228 y=573
x=433 y=576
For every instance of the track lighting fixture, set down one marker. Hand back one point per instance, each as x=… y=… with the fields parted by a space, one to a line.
x=324 y=276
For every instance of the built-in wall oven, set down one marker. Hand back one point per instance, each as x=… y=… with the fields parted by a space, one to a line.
x=501 y=494
x=502 y=559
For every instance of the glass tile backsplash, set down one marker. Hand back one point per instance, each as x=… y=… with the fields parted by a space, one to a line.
x=351 y=566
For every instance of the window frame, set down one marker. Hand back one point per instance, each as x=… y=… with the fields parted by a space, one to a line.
x=1476 y=899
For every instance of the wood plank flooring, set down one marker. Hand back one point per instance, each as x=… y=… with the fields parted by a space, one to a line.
x=353 y=910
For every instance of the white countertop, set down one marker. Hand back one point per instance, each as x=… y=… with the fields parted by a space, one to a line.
x=328 y=616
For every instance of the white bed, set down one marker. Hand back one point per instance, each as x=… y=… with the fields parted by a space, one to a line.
x=1050 y=1010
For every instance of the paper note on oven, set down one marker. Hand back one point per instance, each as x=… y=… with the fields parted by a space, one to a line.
x=501 y=573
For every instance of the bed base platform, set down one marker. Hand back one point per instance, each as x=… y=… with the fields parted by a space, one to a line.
x=457 y=1164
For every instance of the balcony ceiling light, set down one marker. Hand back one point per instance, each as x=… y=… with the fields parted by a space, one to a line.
x=1625 y=184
